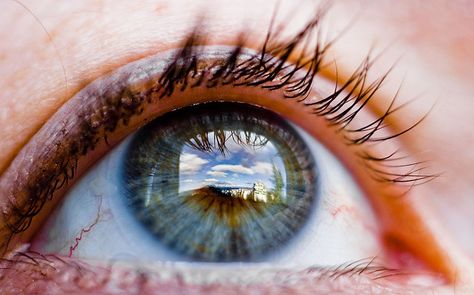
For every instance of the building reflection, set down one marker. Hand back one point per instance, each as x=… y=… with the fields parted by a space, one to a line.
x=257 y=193
x=233 y=164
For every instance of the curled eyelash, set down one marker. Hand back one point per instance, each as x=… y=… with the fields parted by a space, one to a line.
x=270 y=68
x=205 y=142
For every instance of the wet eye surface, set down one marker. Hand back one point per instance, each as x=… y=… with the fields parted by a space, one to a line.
x=221 y=182
x=216 y=182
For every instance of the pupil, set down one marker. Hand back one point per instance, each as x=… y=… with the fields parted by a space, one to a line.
x=220 y=182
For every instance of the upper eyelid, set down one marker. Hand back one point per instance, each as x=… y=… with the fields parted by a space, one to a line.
x=65 y=171
x=51 y=137
x=9 y=204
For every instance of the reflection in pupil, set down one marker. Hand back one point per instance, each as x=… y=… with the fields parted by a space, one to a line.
x=235 y=164
x=233 y=183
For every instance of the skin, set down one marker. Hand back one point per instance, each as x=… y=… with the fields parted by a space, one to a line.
x=51 y=54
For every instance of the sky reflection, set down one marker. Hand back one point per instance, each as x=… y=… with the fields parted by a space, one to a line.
x=248 y=161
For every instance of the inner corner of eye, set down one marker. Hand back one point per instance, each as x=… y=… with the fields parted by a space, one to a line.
x=217 y=183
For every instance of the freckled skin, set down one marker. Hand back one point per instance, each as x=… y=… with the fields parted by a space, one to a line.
x=88 y=39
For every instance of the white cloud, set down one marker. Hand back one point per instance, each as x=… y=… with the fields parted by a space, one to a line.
x=233 y=168
x=262 y=168
x=232 y=146
x=211 y=180
x=190 y=163
x=187 y=180
x=217 y=173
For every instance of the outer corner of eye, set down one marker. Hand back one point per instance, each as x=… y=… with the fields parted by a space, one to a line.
x=217 y=183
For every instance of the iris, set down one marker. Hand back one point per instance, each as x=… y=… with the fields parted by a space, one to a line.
x=220 y=182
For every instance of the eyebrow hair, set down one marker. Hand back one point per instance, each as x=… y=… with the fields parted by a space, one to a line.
x=49 y=161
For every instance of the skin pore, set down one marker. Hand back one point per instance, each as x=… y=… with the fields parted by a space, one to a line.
x=43 y=64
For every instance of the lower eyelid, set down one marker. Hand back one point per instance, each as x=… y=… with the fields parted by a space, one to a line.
x=394 y=210
x=38 y=274
x=291 y=109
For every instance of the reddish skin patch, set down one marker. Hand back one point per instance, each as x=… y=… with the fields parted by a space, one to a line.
x=85 y=230
x=399 y=257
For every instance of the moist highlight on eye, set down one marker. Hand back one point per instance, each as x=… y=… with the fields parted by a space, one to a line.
x=93 y=114
x=220 y=182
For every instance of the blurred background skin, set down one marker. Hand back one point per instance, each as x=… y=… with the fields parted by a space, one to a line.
x=432 y=41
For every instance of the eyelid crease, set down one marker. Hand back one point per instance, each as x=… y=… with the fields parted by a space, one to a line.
x=59 y=173
x=66 y=140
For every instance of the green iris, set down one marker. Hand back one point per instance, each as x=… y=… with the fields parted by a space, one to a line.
x=220 y=182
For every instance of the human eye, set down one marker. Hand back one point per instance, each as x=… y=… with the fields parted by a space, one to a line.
x=277 y=86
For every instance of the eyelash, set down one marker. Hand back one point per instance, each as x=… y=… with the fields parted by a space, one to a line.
x=260 y=72
x=269 y=69
x=33 y=266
